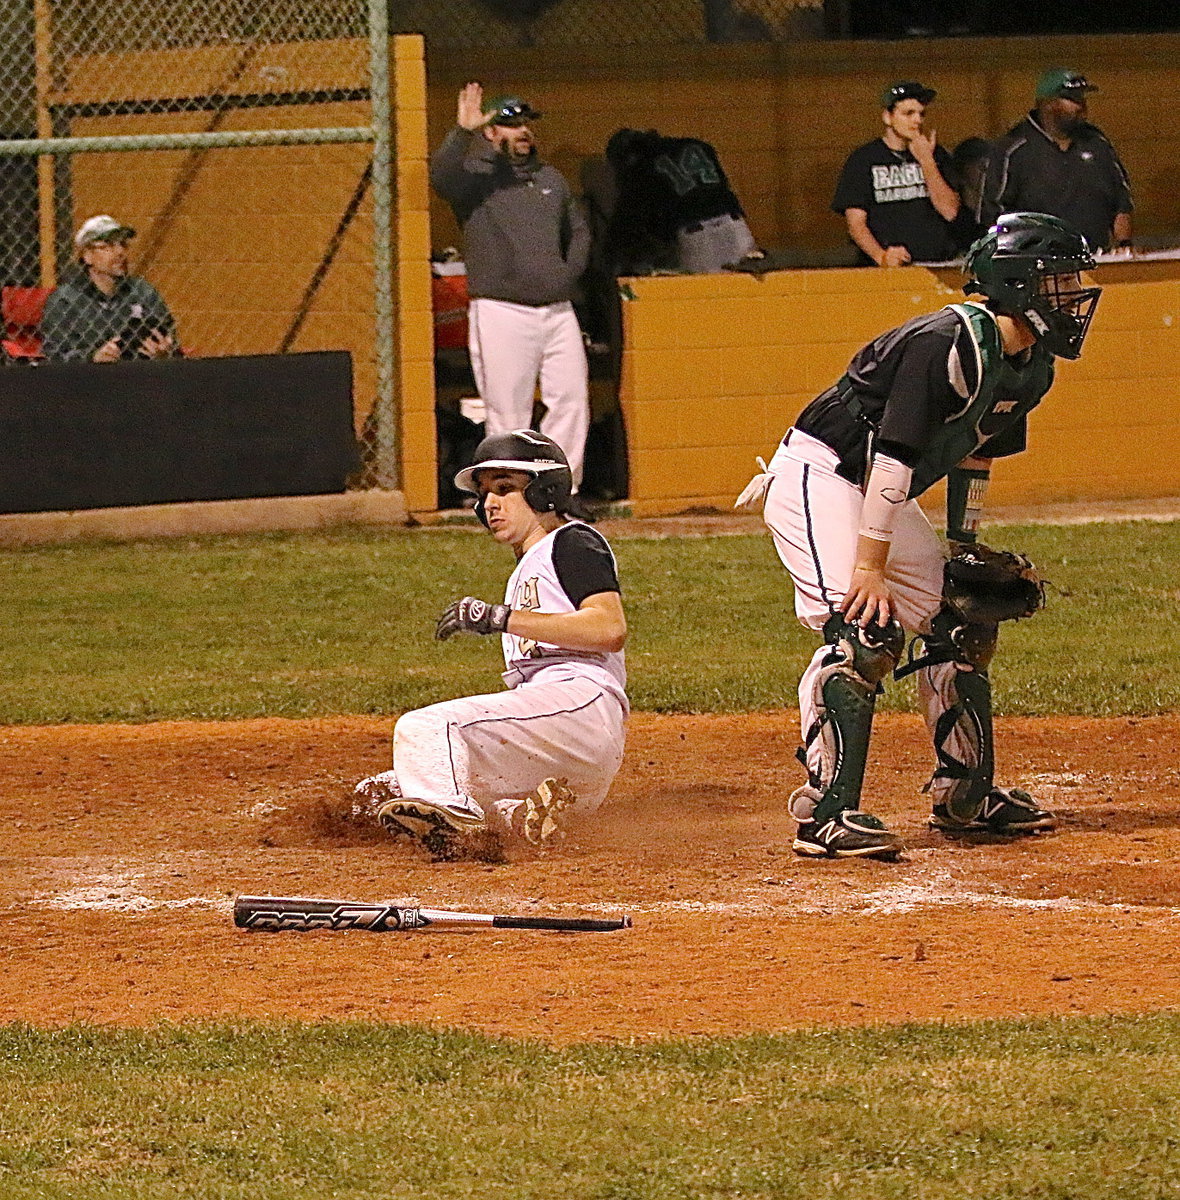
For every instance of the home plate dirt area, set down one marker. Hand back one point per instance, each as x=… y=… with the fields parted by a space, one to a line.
x=125 y=845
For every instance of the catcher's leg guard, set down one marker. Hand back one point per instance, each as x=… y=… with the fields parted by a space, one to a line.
x=844 y=694
x=957 y=694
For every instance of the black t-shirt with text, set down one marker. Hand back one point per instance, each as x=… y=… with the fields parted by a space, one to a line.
x=890 y=187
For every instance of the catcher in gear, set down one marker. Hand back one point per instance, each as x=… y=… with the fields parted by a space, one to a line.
x=940 y=396
x=472 y=774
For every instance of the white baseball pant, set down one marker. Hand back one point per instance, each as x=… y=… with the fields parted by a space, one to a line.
x=814 y=517
x=480 y=755
x=511 y=345
x=713 y=244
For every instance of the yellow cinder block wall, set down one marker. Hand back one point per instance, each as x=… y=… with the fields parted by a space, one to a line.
x=783 y=116
x=717 y=367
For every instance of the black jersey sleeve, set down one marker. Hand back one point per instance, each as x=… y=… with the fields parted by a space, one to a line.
x=854 y=189
x=584 y=563
x=920 y=399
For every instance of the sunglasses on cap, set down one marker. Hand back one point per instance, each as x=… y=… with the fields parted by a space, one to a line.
x=909 y=90
x=512 y=113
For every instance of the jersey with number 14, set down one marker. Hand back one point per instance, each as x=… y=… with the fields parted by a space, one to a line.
x=556 y=575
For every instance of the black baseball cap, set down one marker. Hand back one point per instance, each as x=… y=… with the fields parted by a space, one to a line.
x=509 y=111
x=908 y=89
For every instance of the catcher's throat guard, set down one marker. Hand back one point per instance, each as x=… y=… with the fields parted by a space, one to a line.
x=845 y=696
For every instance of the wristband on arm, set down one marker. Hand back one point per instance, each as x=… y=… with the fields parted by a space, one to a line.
x=965 y=490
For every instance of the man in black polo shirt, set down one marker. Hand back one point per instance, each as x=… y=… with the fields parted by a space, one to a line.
x=893 y=191
x=1056 y=162
x=105 y=313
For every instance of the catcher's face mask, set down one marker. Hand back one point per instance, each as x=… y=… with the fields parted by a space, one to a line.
x=1065 y=309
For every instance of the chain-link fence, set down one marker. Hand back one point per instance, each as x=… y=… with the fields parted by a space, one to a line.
x=198 y=177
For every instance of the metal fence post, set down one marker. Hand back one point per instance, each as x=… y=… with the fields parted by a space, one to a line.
x=386 y=466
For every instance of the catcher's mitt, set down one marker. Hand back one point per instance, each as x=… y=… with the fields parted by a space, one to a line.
x=986 y=586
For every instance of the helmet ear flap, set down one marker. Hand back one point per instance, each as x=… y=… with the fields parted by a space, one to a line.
x=481 y=511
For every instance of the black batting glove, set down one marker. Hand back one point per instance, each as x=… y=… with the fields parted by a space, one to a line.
x=470 y=615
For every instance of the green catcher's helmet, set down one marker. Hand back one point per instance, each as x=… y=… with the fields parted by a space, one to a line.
x=1025 y=265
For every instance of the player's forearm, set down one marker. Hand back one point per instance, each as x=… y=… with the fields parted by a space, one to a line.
x=1121 y=233
x=453 y=163
x=594 y=629
x=578 y=253
x=858 y=230
x=944 y=197
x=871 y=554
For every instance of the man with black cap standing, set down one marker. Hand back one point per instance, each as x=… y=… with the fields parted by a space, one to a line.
x=893 y=191
x=526 y=245
x=1056 y=162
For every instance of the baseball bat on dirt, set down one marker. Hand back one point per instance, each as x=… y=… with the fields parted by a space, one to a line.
x=303 y=913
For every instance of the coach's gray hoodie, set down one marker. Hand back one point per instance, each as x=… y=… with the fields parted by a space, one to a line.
x=526 y=239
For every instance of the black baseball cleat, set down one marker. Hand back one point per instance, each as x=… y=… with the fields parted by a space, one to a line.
x=1009 y=812
x=849 y=834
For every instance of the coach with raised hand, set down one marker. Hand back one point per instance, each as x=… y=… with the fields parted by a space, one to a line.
x=526 y=245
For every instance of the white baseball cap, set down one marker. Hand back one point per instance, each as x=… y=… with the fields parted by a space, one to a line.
x=102 y=228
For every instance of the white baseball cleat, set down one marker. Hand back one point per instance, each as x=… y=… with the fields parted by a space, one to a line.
x=371 y=793
x=539 y=817
x=441 y=830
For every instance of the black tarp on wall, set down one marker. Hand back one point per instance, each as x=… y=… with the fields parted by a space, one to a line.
x=99 y=435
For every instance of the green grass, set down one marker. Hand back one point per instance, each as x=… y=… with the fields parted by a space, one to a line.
x=296 y=625
x=1055 y=1109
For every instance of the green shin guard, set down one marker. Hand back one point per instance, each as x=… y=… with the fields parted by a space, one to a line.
x=972 y=714
x=846 y=697
x=970 y=648
x=849 y=703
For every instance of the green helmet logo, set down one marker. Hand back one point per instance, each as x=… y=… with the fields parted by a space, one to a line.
x=1026 y=265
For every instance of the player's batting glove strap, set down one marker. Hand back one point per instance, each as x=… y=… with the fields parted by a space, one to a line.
x=470 y=615
x=986 y=586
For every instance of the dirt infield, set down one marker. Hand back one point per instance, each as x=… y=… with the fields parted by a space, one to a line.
x=124 y=845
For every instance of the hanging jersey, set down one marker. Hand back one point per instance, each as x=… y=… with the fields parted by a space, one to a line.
x=665 y=184
x=929 y=393
x=556 y=575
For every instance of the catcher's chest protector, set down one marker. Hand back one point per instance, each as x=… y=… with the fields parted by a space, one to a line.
x=1004 y=394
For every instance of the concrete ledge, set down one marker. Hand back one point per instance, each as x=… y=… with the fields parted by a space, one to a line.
x=273 y=513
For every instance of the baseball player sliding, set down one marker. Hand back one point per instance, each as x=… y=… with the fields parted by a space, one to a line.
x=940 y=396
x=472 y=773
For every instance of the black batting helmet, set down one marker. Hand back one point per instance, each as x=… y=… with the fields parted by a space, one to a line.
x=527 y=451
